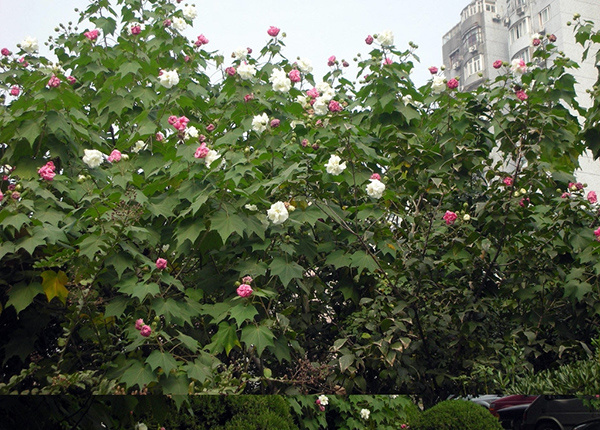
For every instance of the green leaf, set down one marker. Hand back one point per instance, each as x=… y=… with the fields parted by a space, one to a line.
x=189 y=230
x=191 y=343
x=22 y=295
x=259 y=336
x=225 y=339
x=176 y=385
x=54 y=285
x=161 y=359
x=198 y=371
x=226 y=224
x=17 y=221
x=346 y=361
x=116 y=307
x=286 y=271
x=92 y=245
x=30 y=243
x=362 y=260
x=137 y=374
x=242 y=312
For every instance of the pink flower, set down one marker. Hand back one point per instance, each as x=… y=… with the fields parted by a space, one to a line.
x=160 y=137
x=46 y=172
x=335 y=106
x=597 y=233
x=322 y=408
x=146 y=331
x=210 y=127
x=521 y=95
x=273 y=31
x=5 y=52
x=247 y=279
x=450 y=217
x=388 y=61
x=16 y=195
x=230 y=71
x=376 y=176
x=524 y=201
x=433 y=70
x=536 y=42
x=71 y=80
x=304 y=143
x=592 y=197
x=275 y=123
x=1 y=196
x=136 y=29
x=345 y=63
x=92 y=34
x=497 y=64
x=167 y=22
x=294 y=75
x=313 y=93
x=249 y=50
x=114 y=156
x=202 y=40
x=452 y=83
x=180 y=123
x=187 y=58
x=161 y=264
x=331 y=61
x=23 y=62
x=552 y=38
x=172 y=119
x=508 y=181
x=14 y=90
x=249 y=97
x=575 y=186
x=53 y=82
x=201 y=151
x=565 y=195
x=369 y=40
x=244 y=290
x=139 y=324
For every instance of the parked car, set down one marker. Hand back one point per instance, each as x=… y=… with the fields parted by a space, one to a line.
x=507 y=401
x=556 y=413
x=511 y=417
x=589 y=425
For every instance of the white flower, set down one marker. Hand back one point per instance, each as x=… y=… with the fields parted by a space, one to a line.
x=323 y=400
x=518 y=66
x=250 y=207
x=277 y=213
x=259 y=123
x=407 y=99
x=189 y=12
x=280 y=81
x=438 y=85
x=56 y=68
x=375 y=188
x=240 y=53
x=320 y=106
x=141 y=426
x=30 y=44
x=304 y=65
x=333 y=165
x=191 y=132
x=179 y=23
x=385 y=38
x=168 y=78
x=246 y=71
x=466 y=217
x=211 y=156
x=303 y=100
x=365 y=413
x=140 y=145
x=93 y=157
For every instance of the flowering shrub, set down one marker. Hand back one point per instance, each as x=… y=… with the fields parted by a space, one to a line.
x=359 y=281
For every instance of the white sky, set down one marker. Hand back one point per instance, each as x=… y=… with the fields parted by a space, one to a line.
x=316 y=29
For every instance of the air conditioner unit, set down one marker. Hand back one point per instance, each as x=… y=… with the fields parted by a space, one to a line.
x=496 y=17
x=472 y=48
x=506 y=22
x=520 y=10
x=456 y=65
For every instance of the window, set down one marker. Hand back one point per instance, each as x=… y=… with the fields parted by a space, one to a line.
x=472 y=9
x=455 y=60
x=472 y=37
x=490 y=7
x=475 y=65
x=524 y=54
x=544 y=16
x=519 y=30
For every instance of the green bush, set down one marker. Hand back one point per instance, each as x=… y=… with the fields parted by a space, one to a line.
x=258 y=413
x=456 y=415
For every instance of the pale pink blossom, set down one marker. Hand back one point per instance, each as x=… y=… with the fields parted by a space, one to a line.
x=139 y=323
x=597 y=233
x=114 y=156
x=230 y=71
x=244 y=290
x=452 y=83
x=249 y=97
x=508 y=181
x=160 y=137
x=521 y=95
x=202 y=40
x=210 y=127
x=592 y=197
x=313 y=92
x=146 y=331
x=433 y=70
x=273 y=31
x=46 y=172
x=1 y=196
x=497 y=64
x=274 y=123
x=5 y=52
x=331 y=61
x=335 y=106
x=294 y=75
x=388 y=61
x=92 y=34
x=247 y=279
x=201 y=151
x=369 y=40
x=71 y=80
x=14 y=90
x=376 y=176
x=53 y=82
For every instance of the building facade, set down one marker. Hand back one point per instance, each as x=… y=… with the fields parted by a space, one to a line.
x=491 y=30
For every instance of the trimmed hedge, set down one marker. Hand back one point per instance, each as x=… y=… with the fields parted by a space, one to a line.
x=456 y=415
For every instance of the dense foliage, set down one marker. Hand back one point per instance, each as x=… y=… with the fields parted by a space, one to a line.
x=456 y=415
x=175 y=222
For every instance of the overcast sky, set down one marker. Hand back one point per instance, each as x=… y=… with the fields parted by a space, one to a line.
x=316 y=29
